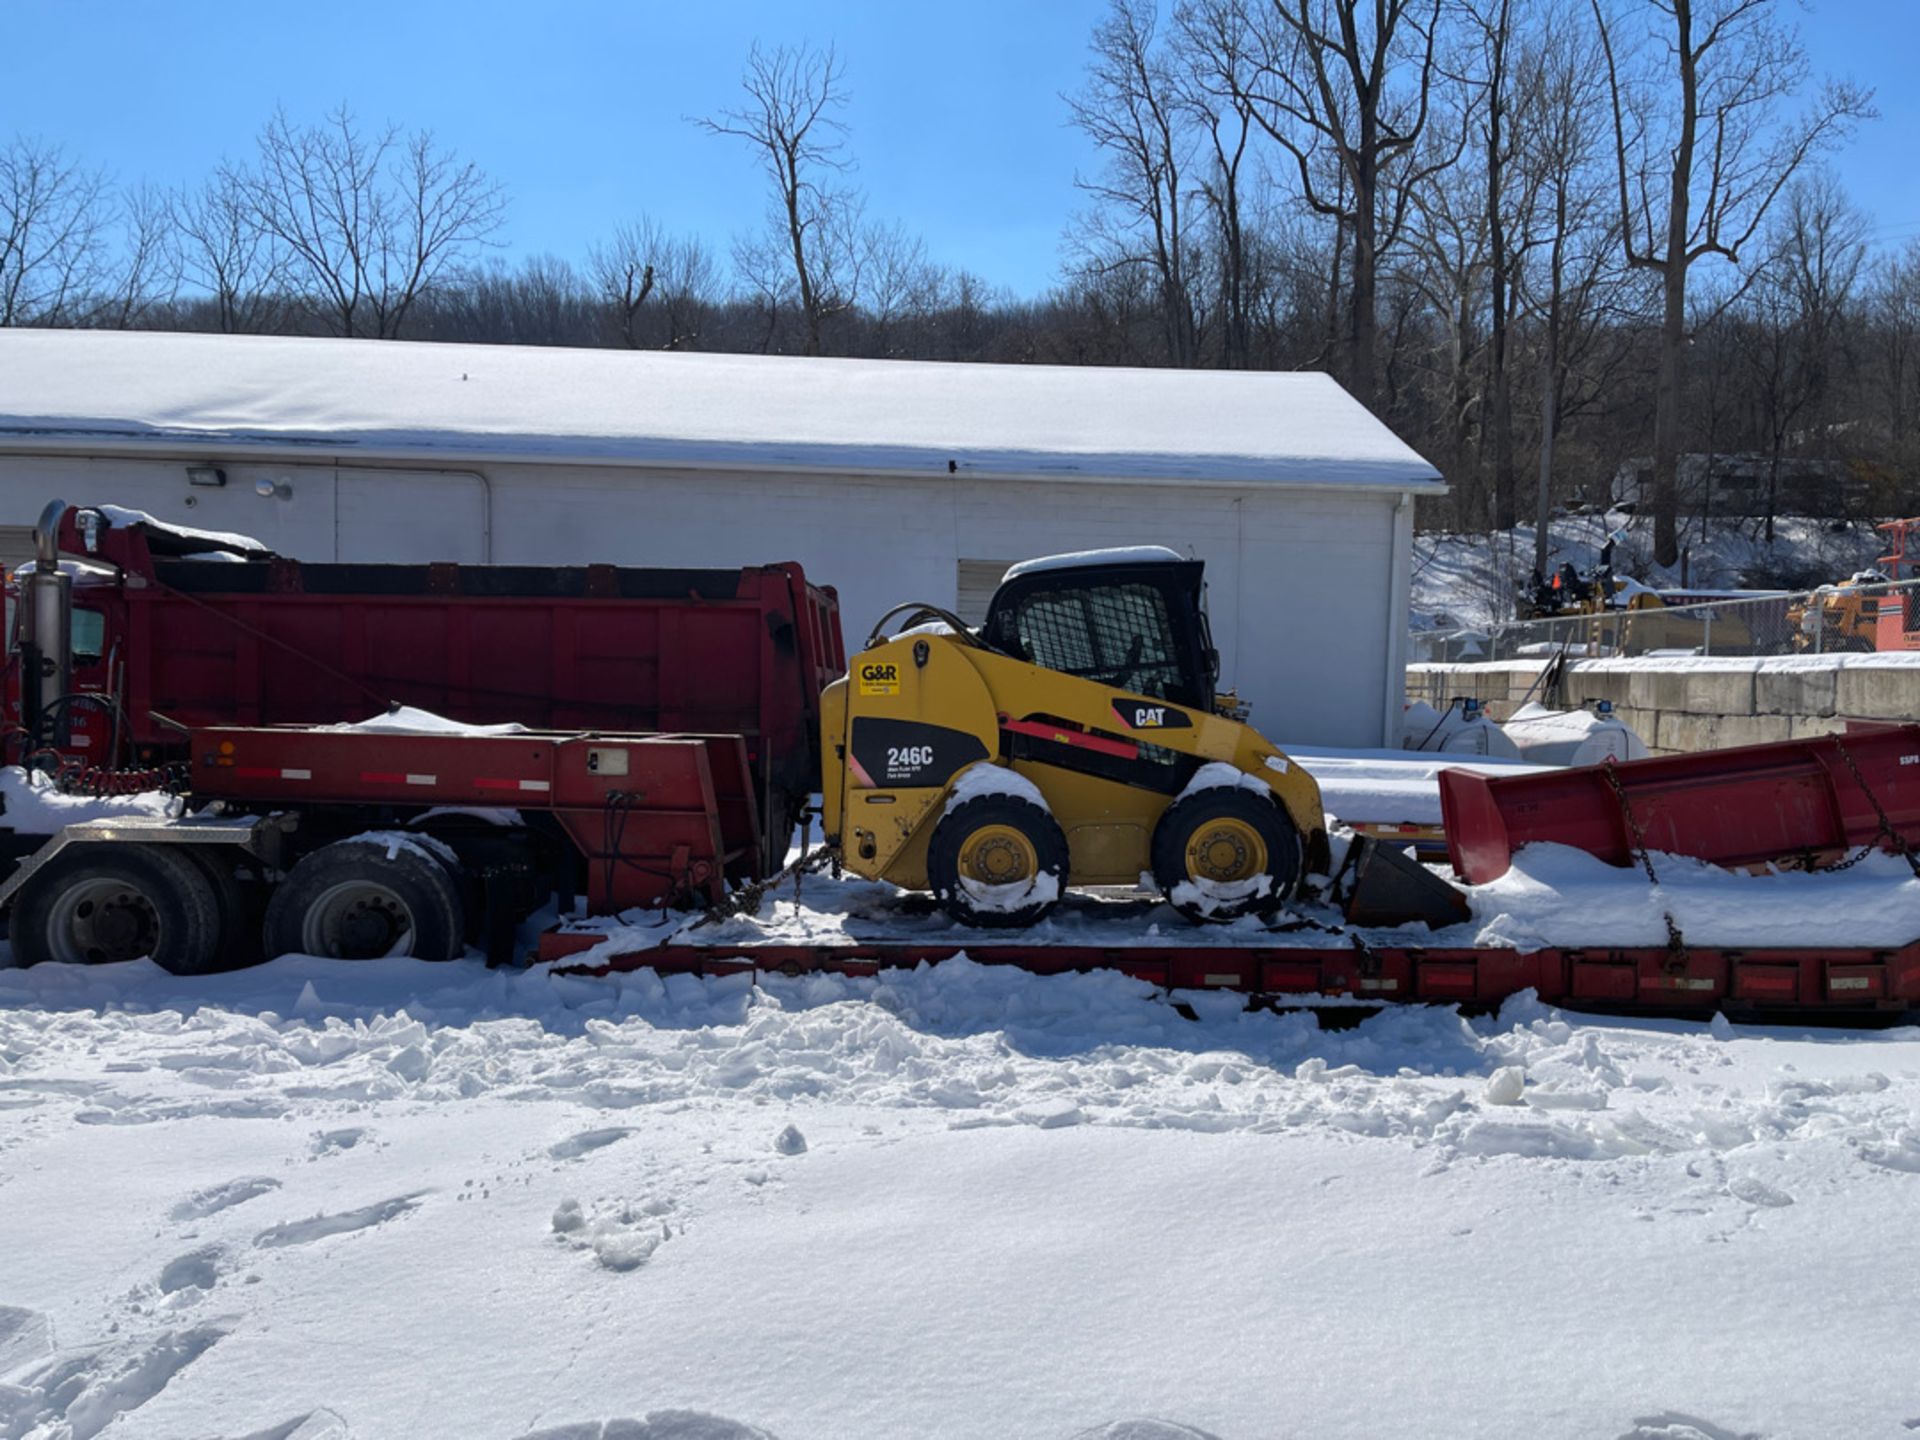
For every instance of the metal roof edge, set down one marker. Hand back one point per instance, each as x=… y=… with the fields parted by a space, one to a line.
x=325 y=450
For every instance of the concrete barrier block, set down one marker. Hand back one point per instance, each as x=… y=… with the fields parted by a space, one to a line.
x=1584 y=687
x=1878 y=692
x=1719 y=692
x=1657 y=689
x=1802 y=727
x=1685 y=732
x=1795 y=692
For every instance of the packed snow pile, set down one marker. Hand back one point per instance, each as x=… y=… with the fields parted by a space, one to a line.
x=30 y=804
x=411 y=720
x=1571 y=737
x=123 y=516
x=295 y=1200
x=1454 y=730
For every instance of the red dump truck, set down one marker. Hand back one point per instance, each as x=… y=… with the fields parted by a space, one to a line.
x=135 y=646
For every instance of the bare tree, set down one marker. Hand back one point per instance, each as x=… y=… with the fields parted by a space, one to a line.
x=1209 y=53
x=791 y=119
x=225 y=253
x=1323 y=78
x=1701 y=154
x=1570 y=291
x=642 y=262
x=370 y=220
x=53 y=213
x=146 y=274
x=1789 y=316
x=1131 y=109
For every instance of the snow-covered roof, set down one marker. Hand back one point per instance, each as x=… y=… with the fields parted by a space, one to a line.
x=367 y=399
x=1081 y=559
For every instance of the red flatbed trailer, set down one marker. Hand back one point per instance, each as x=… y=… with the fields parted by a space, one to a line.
x=1843 y=983
x=308 y=793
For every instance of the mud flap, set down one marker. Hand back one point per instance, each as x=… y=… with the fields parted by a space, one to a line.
x=1389 y=889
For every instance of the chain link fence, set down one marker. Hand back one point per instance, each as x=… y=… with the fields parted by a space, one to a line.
x=1833 y=619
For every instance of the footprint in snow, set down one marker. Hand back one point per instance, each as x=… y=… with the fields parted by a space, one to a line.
x=224 y=1196
x=197 y=1270
x=319 y=1227
x=24 y=1335
x=314 y=1425
x=586 y=1142
x=1672 y=1425
x=1756 y=1191
x=77 y=1393
x=658 y=1425
x=332 y=1142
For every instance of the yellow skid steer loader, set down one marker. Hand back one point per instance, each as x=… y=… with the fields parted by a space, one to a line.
x=1075 y=738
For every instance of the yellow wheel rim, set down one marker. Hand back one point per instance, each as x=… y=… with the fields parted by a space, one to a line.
x=998 y=855
x=1226 y=850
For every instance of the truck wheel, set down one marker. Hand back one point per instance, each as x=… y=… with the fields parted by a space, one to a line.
x=238 y=906
x=95 y=904
x=365 y=900
x=1225 y=852
x=997 y=861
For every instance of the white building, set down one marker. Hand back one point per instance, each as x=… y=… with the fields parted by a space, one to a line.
x=890 y=481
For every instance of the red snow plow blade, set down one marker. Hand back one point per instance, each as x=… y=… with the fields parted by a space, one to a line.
x=1795 y=800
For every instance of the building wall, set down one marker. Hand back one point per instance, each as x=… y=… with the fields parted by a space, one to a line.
x=1300 y=583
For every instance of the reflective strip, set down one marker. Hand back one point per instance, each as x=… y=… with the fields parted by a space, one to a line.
x=423 y=779
x=1219 y=979
x=488 y=784
x=535 y=785
x=296 y=774
x=382 y=777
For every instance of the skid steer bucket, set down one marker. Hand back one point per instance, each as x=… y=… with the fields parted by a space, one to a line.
x=1390 y=888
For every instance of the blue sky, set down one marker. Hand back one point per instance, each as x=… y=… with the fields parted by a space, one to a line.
x=578 y=108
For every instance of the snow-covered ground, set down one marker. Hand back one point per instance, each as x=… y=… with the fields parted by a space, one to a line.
x=326 y=1201
x=399 y=1199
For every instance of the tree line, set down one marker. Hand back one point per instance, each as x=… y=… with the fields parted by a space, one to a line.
x=1541 y=238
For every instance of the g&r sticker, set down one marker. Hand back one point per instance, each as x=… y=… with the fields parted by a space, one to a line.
x=880 y=678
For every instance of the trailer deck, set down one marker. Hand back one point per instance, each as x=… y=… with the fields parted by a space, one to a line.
x=1791 y=983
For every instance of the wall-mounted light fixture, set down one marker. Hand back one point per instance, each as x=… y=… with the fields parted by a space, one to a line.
x=270 y=490
x=209 y=475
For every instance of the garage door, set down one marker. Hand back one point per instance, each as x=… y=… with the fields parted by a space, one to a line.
x=978 y=580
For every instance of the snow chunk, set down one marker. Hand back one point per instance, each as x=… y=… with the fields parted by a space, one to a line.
x=414 y=842
x=1505 y=1086
x=123 y=518
x=790 y=1142
x=32 y=806
x=987 y=778
x=410 y=720
x=1218 y=775
x=1079 y=559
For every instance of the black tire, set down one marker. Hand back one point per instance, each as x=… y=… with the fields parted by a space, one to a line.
x=1235 y=814
x=98 y=904
x=367 y=899
x=1044 y=852
x=237 y=903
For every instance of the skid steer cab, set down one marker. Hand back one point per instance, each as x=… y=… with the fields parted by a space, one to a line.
x=1075 y=738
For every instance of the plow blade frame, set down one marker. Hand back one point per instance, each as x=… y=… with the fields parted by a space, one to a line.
x=1797 y=801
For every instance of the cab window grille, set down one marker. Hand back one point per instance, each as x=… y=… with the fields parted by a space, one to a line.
x=1119 y=635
